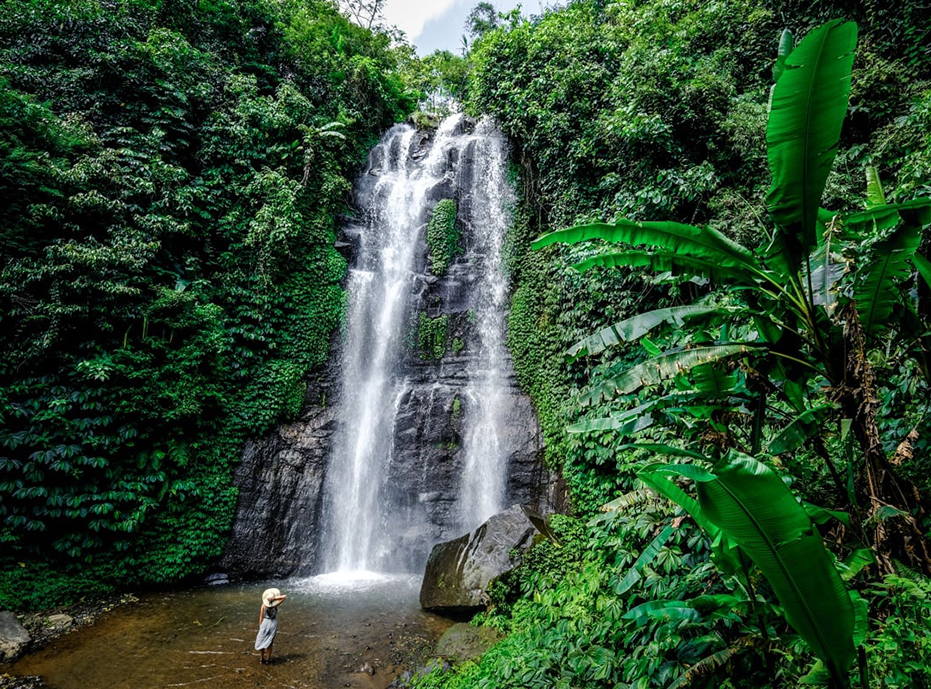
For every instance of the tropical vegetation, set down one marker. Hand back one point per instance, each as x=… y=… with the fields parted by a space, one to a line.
x=721 y=296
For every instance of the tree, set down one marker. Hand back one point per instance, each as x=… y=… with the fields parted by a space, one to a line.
x=366 y=13
x=482 y=19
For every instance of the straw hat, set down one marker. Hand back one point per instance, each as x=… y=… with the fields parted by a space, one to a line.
x=268 y=595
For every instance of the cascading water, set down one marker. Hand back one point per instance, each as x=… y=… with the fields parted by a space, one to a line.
x=367 y=506
x=483 y=475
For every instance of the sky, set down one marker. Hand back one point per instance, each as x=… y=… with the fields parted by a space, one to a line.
x=439 y=24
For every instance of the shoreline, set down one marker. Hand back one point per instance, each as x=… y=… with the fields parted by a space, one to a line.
x=47 y=625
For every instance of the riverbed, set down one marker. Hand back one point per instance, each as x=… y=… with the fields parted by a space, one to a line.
x=335 y=630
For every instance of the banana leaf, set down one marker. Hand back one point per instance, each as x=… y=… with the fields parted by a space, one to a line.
x=854 y=563
x=676 y=238
x=818 y=674
x=875 y=196
x=786 y=41
x=863 y=222
x=723 y=550
x=711 y=380
x=653 y=476
x=749 y=502
x=809 y=103
x=670 y=610
x=666 y=261
x=621 y=419
x=663 y=367
x=637 y=326
x=924 y=268
x=626 y=426
x=877 y=294
x=804 y=427
x=672 y=451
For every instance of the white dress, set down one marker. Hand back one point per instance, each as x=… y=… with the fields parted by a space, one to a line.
x=268 y=628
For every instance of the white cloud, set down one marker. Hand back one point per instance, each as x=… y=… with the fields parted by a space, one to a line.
x=411 y=15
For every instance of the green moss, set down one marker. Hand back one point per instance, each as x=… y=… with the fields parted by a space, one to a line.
x=432 y=336
x=443 y=236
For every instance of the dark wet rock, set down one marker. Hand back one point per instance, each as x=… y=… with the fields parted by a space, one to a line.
x=346 y=249
x=13 y=636
x=401 y=680
x=280 y=481
x=466 y=641
x=458 y=572
x=217 y=579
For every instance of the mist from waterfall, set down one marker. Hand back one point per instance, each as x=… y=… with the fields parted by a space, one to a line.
x=396 y=196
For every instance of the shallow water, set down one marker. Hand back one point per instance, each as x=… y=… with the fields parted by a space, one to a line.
x=328 y=628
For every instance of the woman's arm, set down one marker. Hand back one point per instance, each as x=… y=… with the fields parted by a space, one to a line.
x=261 y=614
x=281 y=597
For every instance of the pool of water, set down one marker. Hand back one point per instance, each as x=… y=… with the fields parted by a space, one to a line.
x=329 y=629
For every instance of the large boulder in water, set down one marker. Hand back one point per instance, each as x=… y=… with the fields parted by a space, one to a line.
x=459 y=571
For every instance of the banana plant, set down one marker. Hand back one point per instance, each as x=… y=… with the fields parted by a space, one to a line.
x=747 y=503
x=808 y=314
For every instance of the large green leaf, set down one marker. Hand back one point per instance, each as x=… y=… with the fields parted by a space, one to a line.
x=723 y=550
x=809 y=103
x=665 y=261
x=663 y=367
x=805 y=426
x=876 y=292
x=786 y=41
x=875 y=196
x=622 y=425
x=712 y=380
x=924 y=268
x=668 y=610
x=750 y=503
x=677 y=238
x=637 y=326
x=874 y=218
x=654 y=475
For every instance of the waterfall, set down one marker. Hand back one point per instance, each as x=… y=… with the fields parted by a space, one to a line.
x=407 y=173
x=483 y=475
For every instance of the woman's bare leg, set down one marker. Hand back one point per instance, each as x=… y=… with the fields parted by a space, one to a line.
x=270 y=646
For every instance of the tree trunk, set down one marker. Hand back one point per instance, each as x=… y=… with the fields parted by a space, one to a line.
x=894 y=535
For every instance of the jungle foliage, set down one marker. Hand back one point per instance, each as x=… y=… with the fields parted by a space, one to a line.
x=170 y=176
x=709 y=471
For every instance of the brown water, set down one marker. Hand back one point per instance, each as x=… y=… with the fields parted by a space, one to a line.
x=328 y=628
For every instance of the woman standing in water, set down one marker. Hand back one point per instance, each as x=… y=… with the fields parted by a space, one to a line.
x=268 y=624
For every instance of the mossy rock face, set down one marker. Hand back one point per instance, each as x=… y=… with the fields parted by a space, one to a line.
x=443 y=236
x=464 y=641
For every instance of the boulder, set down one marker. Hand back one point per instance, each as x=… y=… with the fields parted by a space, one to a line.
x=458 y=572
x=465 y=641
x=217 y=579
x=13 y=636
